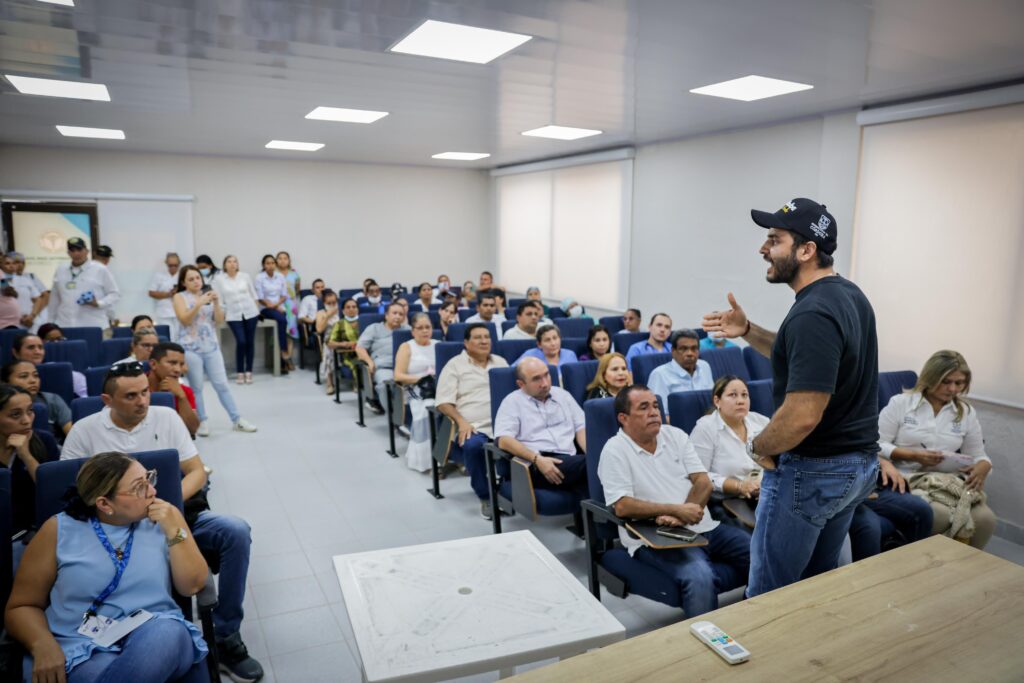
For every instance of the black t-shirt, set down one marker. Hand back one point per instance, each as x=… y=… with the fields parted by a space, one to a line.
x=23 y=489
x=828 y=343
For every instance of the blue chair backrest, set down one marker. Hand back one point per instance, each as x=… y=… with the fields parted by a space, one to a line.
x=577 y=345
x=349 y=293
x=94 y=379
x=761 y=399
x=54 y=478
x=556 y=312
x=6 y=342
x=74 y=351
x=503 y=383
x=892 y=383
x=686 y=407
x=574 y=327
x=576 y=377
x=41 y=422
x=601 y=426
x=456 y=330
x=644 y=365
x=759 y=367
x=120 y=332
x=612 y=322
x=466 y=313
x=92 y=336
x=6 y=529
x=508 y=325
x=514 y=303
x=113 y=350
x=399 y=337
x=622 y=342
x=512 y=349
x=84 y=407
x=367 y=319
x=444 y=352
x=435 y=320
x=727 y=361
x=56 y=378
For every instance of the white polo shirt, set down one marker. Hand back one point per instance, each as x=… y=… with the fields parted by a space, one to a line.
x=910 y=422
x=97 y=433
x=163 y=282
x=626 y=469
x=720 y=448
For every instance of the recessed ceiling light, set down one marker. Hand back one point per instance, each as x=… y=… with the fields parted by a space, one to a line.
x=297 y=146
x=346 y=115
x=461 y=156
x=456 y=41
x=561 y=132
x=53 y=88
x=750 y=88
x=66 y=3
x=79 y=132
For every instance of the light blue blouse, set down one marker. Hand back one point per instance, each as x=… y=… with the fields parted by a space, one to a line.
x=564 y=356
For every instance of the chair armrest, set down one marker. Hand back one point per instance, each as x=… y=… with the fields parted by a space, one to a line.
x=602 y=513
x=498 y=452
x=206 y=598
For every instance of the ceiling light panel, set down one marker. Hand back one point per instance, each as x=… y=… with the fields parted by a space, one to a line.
x=443 y=40
x=561 y=132
x=65 y=3
x=295 y=146
x=53 y=88
x=461 y=156
x=750 y=88
x=80 y=132
x=346 y=115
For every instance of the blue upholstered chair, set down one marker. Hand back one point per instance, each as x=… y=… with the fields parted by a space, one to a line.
x=644 y=365
x=56 y=378
x=759 y=367
x=576 y=377
x=761 y=399
x=892 y=383
x=84 y=407
x=612 y=322
x=574 y=327
x=727 y=361
x=74 y=351
x=686 y=407
x=622 y=342
x=457 y=330
x=92 y=336
x=512 y=349
x=113 y=350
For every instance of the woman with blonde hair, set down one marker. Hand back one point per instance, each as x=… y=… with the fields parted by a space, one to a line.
x=612 y=376
x=931 y=430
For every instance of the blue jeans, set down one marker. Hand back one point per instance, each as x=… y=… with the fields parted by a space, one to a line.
x=210 y=364
x=228 y=537
x=245 y=342
x=282 y=326
x=471 y=454
x=702 y=573
x=160 y=650
x=892 y=517
x=803 y=515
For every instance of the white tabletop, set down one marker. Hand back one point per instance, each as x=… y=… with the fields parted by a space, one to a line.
x=442 y=610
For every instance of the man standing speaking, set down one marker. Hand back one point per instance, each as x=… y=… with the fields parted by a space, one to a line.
x=819 y=451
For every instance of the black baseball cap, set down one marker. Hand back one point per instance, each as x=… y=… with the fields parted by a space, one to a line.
x=805 y=217
x=104 y=250
x=77 y=243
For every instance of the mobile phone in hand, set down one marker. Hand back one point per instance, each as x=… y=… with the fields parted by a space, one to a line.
x=678 y=533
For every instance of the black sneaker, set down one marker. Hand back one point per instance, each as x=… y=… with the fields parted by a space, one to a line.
x=375 y=407
x=235 y=661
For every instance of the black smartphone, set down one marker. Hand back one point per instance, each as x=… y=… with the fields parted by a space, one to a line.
x=677 y=532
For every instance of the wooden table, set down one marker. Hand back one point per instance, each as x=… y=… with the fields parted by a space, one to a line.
x=936 y=610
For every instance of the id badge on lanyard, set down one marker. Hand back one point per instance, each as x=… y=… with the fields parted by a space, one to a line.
x=94 y=625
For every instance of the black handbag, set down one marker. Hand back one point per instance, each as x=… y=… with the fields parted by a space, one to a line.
x=427 y=387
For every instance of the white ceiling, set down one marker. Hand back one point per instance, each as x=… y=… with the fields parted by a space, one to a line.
x=226 y=76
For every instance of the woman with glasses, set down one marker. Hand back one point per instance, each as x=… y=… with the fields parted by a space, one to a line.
x=414 y=364
x=24 y=375
x=143 y=341
x=115 y=550
x=29 y=347
x=198 y=313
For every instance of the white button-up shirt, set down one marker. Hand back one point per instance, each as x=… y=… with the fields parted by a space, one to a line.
x=721 y=450
x=70 y=283
x=497 y=319
x=271 y=288
x=163 y=282
x=542 y=426
x=467 y=386
x=28 y=288
x=669 y=378
x=237 y=296
x=910 y=422
x=97 y=433
x=626 y=469
x=308 y=307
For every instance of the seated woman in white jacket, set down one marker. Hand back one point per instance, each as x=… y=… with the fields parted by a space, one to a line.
x=932 y=423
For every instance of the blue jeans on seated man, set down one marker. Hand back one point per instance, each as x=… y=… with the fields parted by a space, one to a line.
x=890 y=520
x=704 y=572
x=574 y=472
x=471 y=454
x=227 y=537
x=803 y=515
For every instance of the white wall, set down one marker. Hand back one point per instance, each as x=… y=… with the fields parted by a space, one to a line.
x=342 y=222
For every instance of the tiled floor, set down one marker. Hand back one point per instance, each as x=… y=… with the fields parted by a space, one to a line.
x=312 y=485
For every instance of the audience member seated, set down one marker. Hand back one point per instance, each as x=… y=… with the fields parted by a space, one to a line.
x=650 y=470
x=24 y=375
x=166 y=368
x=909 y=518
x=721 y=437
x=198 y=314
x=366 y=288
x=549 y=348
x=342 y=338
x=572 y=308
x=486 y=281
x=443 y=286
x=129 y=424
x=709 y=343
x=660 y=329
x=631 y=321
x=116 y=517
x=528 y=315
x=372 y=297
x=468 y=295
x=599 y=343
x=143 y=341
x=414 y=369
x=464 y=396
x=312 y=303
x=22 y=454
x=533 y=294
x=142 y=321
x=326 y=319
x=448 y=314
x=930 y=426
x=29 y=347
x=612 y=376
x=426 y=297
x=272 y=294
x=487 y=312
x=375 y=348
x=543 y=424
x=242 y=314
x=163 y=287
x=685 y=372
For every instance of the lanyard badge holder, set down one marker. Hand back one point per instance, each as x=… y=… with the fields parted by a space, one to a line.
x=94 y=625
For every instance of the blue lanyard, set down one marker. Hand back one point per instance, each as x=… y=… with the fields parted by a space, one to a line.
x=120 y=563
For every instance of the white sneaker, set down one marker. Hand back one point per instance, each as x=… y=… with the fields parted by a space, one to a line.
x=204 y=429
x=244 y=425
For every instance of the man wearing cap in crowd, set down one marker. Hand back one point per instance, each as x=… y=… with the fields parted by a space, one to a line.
x=83 y=290
x=820 y=450
x=32 y=295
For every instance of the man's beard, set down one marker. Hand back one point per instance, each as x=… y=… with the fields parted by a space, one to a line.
x=785 y=268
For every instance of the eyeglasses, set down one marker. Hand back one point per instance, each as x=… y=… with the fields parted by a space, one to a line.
x=129 y=369
x=142 y=488
x=147 y=346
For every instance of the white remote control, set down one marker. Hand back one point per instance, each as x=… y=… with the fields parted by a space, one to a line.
x=720 y=641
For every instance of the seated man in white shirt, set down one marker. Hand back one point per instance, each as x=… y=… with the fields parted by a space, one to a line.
x=650 y=470
x=528 y=315
x=128 y=424
x=311 y=303
x=542 y=425
x=487 y=312
x=685 y=372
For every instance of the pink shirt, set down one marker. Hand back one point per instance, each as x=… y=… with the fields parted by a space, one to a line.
x=10 y=312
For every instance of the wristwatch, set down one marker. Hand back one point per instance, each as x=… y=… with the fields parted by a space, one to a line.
x=750 y=450
x=177 y=538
